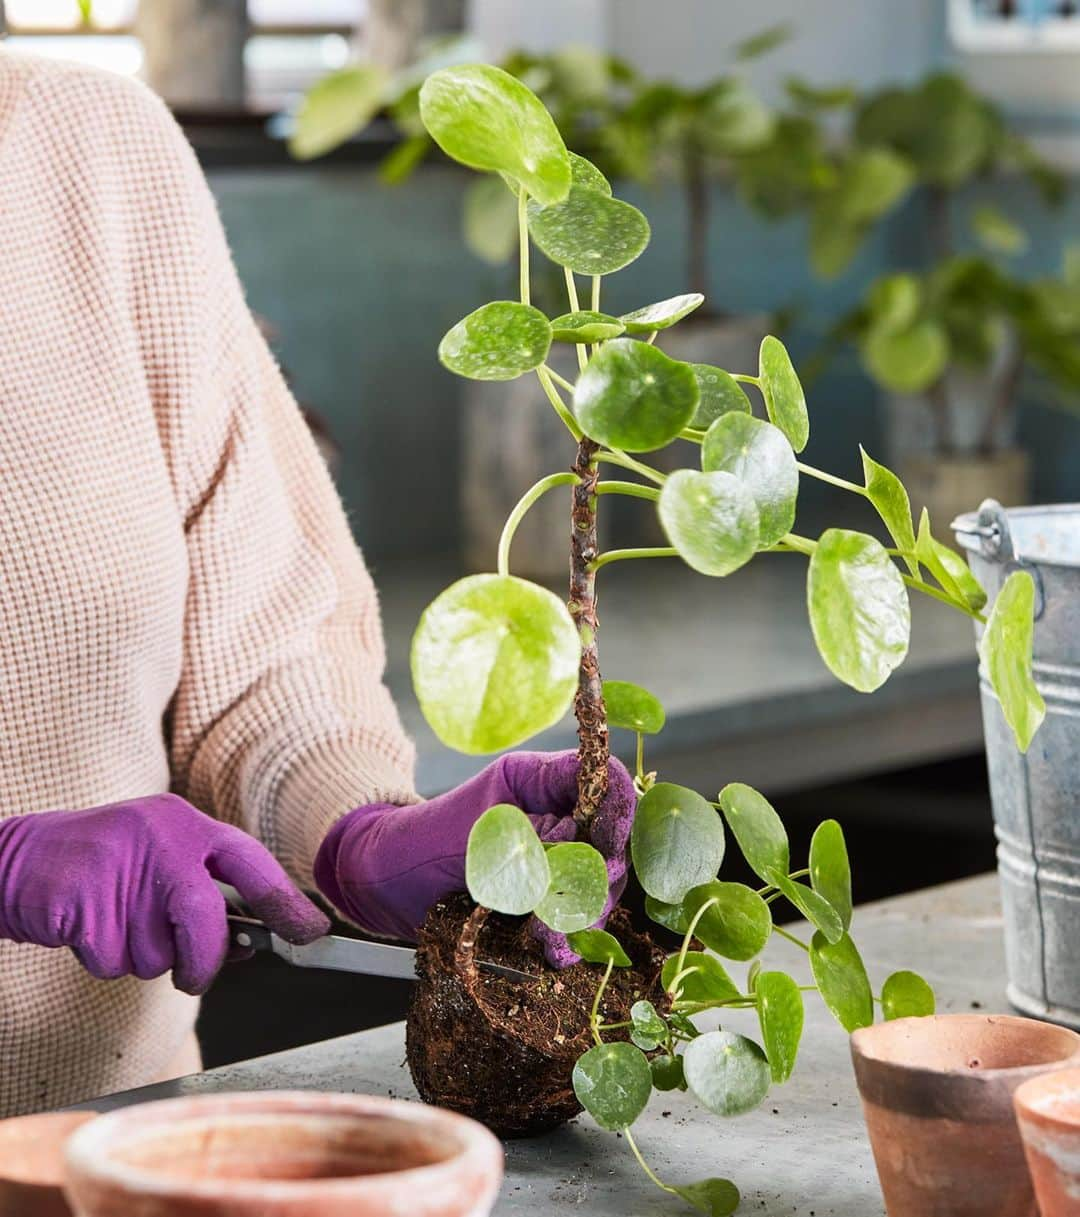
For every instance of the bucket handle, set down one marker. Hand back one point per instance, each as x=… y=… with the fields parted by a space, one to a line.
x=991 y=528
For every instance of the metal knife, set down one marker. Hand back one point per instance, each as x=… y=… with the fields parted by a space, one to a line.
x=340 y=954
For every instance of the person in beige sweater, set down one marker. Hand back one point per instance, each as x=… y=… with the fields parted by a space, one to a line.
x=191 y=654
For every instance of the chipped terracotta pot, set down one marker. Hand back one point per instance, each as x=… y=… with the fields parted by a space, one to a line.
x=32 y=1163
x=937 y=1096
x=283 y=1154
x=1048 y=1112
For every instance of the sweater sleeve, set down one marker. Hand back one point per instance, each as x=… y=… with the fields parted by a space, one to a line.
x=281 y=722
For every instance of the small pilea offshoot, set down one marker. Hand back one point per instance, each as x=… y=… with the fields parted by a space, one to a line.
x=497 y=659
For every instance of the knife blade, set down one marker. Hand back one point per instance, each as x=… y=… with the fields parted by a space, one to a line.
x=338 y=954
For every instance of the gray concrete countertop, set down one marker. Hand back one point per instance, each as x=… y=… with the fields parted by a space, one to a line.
x=803 y=1152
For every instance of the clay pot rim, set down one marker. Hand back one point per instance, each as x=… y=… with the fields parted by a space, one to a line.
x=89 y=1153
x=59 y=1126
x=1028 y=1094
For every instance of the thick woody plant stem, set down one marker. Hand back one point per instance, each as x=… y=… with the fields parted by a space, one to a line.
x=593 y=748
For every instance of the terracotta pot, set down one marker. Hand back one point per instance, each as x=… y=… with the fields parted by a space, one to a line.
x=937 y=1096
x=283 y=1154
x=1048 y=1112
x=947 y=486
x=32 y=1163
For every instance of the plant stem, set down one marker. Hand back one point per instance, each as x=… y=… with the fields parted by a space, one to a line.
x=778 y=929
x=634 y=489
x=593 y=747
x=575 y=307
x=695 y=437
x=744 y=378
x=616 y=457
x=559 y=380
x=620 y=555
x=928 y=590
x=596 y=293
x=521 y=507
x=822 y=476
x=594 y=1015
x=561 y=408
x=695 y=921
x=640 y=757
x=801 y=545
x=645 y=1166
x=523 y=244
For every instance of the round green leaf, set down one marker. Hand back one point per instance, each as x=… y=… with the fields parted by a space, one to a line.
x=584 y=173
x=885 y=490
x=662 y=314
x=667 y=1073
x=759 y=455
x=906 y=995
x=633 y=396
x=719 y=393
x=613 y=1083
x=870 y=182
x=830 y=870
x=671 y=916
x=758 y=829
x=714 y=1197
x=499 y=341
x=630 y=706
x=489 y=220
x=815 y=908
x=841 y=976
x=598 y=946
x=702 y=978
x=506 y=868
x=780 y=1011
x=894 y=301
x=737 y=922
x=710 y=518
x=487 y=119
x=783 y=393
x=947 y=566
x=909 y=360
x=589 y=232
x=578 y=889
x=677 y=841
x=727 y=1073
x=585 y=326
x=859 y=608
x=336 y=108
x=648 y=1030
x=494 y=661
x=1005 y=651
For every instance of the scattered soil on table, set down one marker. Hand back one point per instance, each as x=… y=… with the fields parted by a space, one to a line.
x=503 y=1051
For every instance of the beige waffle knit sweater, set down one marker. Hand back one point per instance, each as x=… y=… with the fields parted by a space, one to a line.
x=181 y=604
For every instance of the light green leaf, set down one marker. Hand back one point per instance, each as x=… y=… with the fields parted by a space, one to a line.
x=494 y=661
x=702 y=978
x=667 y=1073
x=906 y=995
x=859 y=609
x=947 y=566
x=648 y=1030
x=710 y=518
x=677 y=841
x=885 y=490
x=1005 y=651
x=784 y=398
x=714 y=1197
x=763 y=42
x=758 y=829
x=630 y=706
x=336 y=108
x=759 y=455
x=671 y=916
x=894 y=302
x=598 y=946
x=909 y=360
x=737 y=922
x=662 y=315
x=830 y=870
x=728 y=1074
x=633 y=396
x=584 y=173
x=489 y=220
x=871 y=182
x=398 y=164
x=613 y=1083
x=780 y=1011
x=590 y=232
x=585 y=326
x=841 y=976
x=578 y=889
x=486 y=119
x=997 y=232
x=499 y=341
x=815 y=908
x=506 y=868
x=833 y=241
x=718 y=393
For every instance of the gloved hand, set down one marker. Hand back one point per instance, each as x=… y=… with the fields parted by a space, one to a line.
x=129 y=887
x=384 y=866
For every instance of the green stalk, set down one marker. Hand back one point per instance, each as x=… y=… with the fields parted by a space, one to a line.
x=926 y=589
x=690 y=932
x=621 y=555
x=561 y=408
x=633 y=489
x=594 y=1015
x=559 y=380
x=777 y=929
x=521 y=508
x=653 y=1177
x=575 y=307
x=523 y=244
x=616 y=457
x=843 y=483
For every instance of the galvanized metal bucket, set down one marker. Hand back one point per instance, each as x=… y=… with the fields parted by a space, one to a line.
x=1036 y=798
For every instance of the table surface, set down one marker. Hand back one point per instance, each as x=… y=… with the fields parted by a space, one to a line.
x=803 y=1152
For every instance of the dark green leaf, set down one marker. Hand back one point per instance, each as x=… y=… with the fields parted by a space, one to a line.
x=648 y=1030
x=585 y=326
x=702 y=978
x=906 y=995
x=578 y=889
x=736 y=924
x=780 y=1011
x=598 y=946
x=1005 y=651
x=684 y=1023
x=677 y=841
x=814 y=907
x=784 y=398
x=830 y=870
x=759 y=455
x=758 y=829
x=662 y=315
x=590 y=232
x=630 y=706
x=506 y=868
x=336 y=108
x=667 y=1073
x=714 y=1197
x=499 y=341
x=841 y=976
x=727 y=1073
x=885 y=490
x=910 y=360
x=947 y=566
x=710 y=518
x=613 y=1083
x=718 y=393
x=671 y=916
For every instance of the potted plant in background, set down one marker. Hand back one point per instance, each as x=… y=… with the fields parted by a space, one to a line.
x=497 y=659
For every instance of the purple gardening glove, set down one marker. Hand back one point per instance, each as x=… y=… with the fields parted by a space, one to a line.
x=129 y=887
x=384 y=866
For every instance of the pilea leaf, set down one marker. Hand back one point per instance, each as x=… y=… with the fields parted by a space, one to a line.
x=506 y=868
x=947 y=566
x=598 y=946
x=830 y=870
x=780 y=1012
x=814 y=907
x=661 y=315
x=578 y=889
x=885 y=490
x=671 y=916
x=728 y=1074
x=783 y=393
x=906 y=995
x=840 y=974
x=710 y=518
x=714 y=1197
x=736 y=924
x=667 y=1073
x=633 y=396
x=499 y=341
x=1005 y=650
x=859 y=609
x=648 y=1030
x=908 y=360
x=494 y=661
x=613 y=1083
x=487 y=119
x=630 y=706
x=489 y=219
x=584 y=173
x=703 y=978
x=336 y=108
x=758 y=829
x=719 y=393
x=589 y=232
x=759 y=455
x=677 y=841
x=585 y=326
